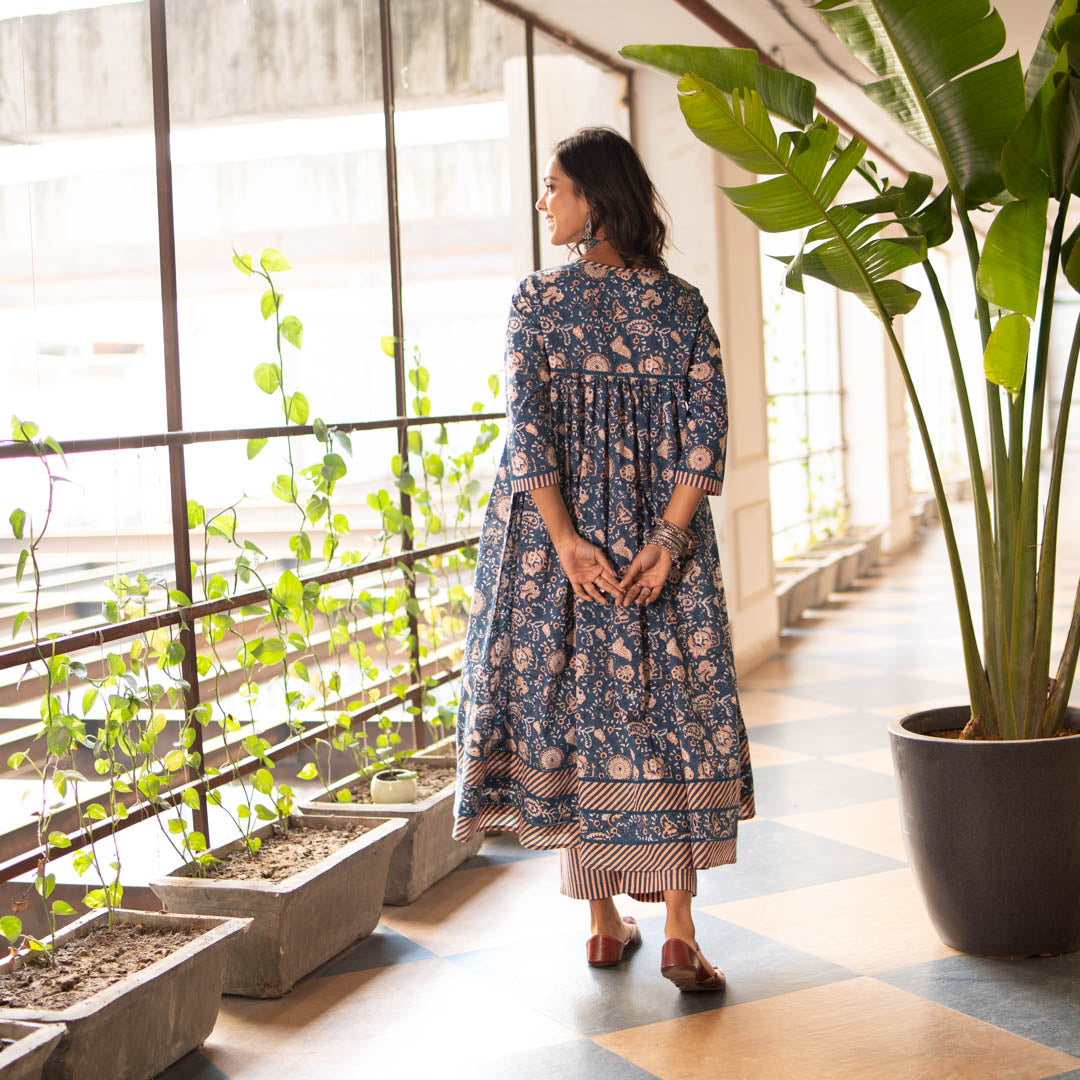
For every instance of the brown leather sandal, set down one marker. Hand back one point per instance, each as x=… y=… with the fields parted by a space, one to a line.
x=682 y=964
x=604 y=951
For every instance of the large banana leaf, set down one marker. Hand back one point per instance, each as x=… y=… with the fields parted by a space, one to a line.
x=1010 y=269
x=930 y=59
x=784 y=94
x=801 y=193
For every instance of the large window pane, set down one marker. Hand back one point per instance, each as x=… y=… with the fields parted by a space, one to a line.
x=461 y=128
x=80 y=304
x=805 y=403
x=278 y=141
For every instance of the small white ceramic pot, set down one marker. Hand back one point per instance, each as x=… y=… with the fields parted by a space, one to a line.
x=393 y=786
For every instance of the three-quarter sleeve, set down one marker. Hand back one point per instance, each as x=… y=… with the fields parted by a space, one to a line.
x=704 y=435
x=530 y=443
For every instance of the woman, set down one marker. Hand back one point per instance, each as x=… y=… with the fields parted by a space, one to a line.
x=599 y=712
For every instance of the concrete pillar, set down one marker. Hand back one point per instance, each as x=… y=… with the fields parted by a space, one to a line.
x=716 y=248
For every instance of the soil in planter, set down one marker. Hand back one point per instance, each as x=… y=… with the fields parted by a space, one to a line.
x=954 y=733
x=281 y=856
x=428 y=782
x=84 y=965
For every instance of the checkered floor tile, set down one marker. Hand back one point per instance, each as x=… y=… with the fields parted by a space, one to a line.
x=834 y=969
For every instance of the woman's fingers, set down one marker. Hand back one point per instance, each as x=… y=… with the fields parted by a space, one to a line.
x=613 y=587
x=594 y=593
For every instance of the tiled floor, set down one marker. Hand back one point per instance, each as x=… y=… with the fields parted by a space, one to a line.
x=834 y=969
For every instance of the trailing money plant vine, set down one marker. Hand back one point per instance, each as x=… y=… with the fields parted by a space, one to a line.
x=113 y=730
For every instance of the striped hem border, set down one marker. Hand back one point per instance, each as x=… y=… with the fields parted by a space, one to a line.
x=581 y=883
x=539 y=783
x=711 y=485
x=539 y=480
x=510 y=819
x=658 y=856
x=643 y=796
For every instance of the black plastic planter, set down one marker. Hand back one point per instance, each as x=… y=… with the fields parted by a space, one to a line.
x=992 y=831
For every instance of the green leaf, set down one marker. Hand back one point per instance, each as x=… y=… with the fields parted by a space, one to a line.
x=62 y=907
x=784 y=94
x=1024 y=163
x=23 y=430
x=20 y=566
x=59 y=840
x=271 y=651
x=196 y=514
x=11 y=928
x=254 y=446
x=284 y=487
x=16 y=759
x=935 y=220
x=243 y=263
x=1063 y=135
x=1006 y=352
x=16 y=625
x=288 y=590
x=292 y=330
x=1010 y=268
x=17 y=520
x=176 y=825
x=179 y=598
x=191 y=798
x=264 y=813
x=387 y=345
x=267 y=377
x=1070 y=258
x=268 y=305
x=264 y=781
x=308 y=772
x=271 y=260
x=300 y=546
x=493 y=385
x=296 y=408
x=933 y=77
x=333 y=467
x=741 y=130
x=1045 y=56
x=174 y=760
x=116 y=664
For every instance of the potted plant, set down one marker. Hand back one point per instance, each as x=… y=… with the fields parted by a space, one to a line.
x=990 y=790
x=90 y=977
x=427 y=851
x=304 y=906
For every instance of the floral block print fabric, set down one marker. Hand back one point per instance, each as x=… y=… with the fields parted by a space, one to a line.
x=615 y=729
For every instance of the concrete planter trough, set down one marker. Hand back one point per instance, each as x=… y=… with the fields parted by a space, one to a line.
x=146 y=1021
x=796 y=587
x=426 y=852
x=29 y=1049
x=848 y=554
x=301 y=922
x=870 y=537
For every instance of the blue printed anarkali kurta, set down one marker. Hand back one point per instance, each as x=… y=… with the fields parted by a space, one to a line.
x=615 y=729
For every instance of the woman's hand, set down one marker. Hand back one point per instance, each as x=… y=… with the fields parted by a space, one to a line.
x=588 y=569
x=645 y=576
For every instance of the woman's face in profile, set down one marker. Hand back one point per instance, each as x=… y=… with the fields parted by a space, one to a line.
x=564 y=210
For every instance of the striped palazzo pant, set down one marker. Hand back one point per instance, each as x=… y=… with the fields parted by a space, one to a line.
x=590 y=883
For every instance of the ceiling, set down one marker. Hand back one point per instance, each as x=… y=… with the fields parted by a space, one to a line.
x=792 y=34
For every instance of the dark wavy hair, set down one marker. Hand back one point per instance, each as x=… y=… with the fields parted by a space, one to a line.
x=607 y=171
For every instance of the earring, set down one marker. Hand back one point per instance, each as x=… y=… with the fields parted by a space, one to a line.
x=588 y=241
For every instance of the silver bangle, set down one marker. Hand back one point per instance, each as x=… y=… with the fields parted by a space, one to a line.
x=670 y=537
